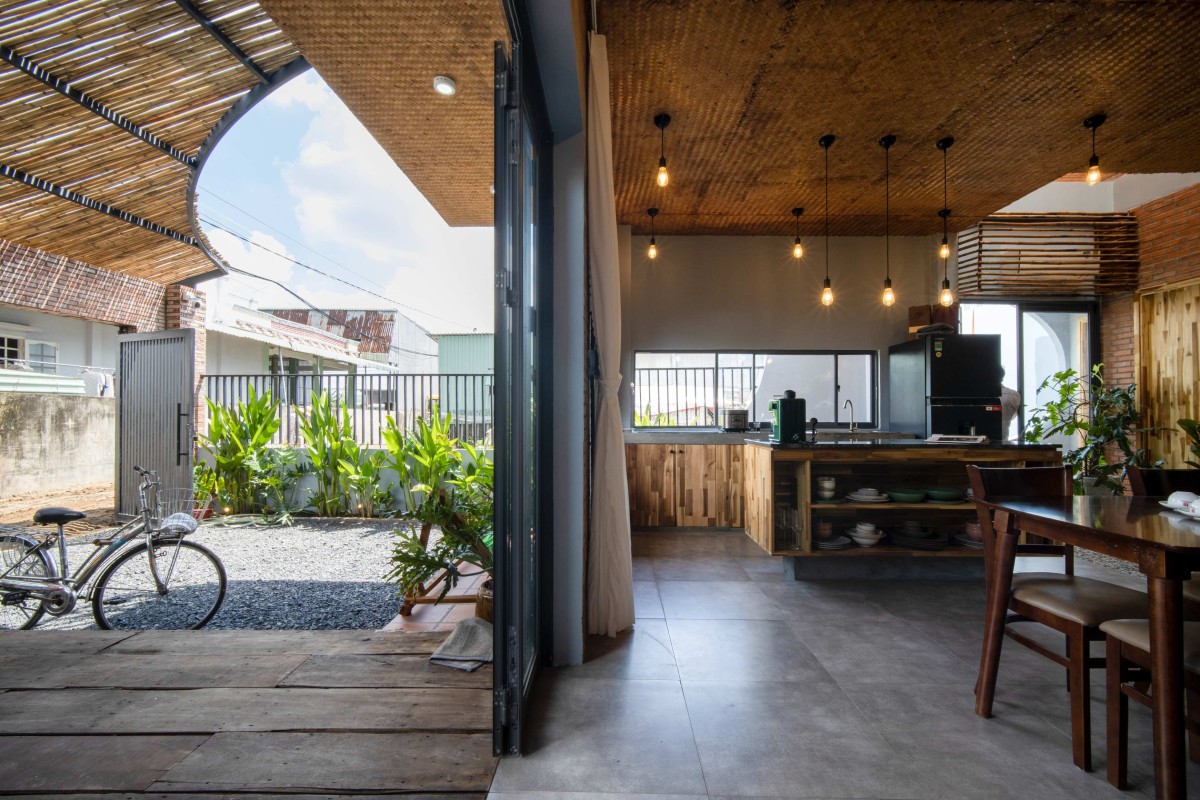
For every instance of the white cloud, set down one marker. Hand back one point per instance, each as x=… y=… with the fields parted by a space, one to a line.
x=306 y=90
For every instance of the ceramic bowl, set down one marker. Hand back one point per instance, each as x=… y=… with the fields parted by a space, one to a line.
x=865 y=527
x=1180 y=499
x=906 y=495
x=865 y=541
x=867 y=492
x=937 y=493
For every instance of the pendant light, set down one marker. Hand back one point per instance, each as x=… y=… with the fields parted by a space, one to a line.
x=946 y=298
x=826 y=142
x=653 y=251
x=661 y=121
x=797 y=247
x=1091 y=123
x=889 y=297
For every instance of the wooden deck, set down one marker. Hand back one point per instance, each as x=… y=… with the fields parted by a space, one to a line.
x=234 y=713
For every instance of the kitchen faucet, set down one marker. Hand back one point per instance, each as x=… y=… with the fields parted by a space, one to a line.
x=853 y=427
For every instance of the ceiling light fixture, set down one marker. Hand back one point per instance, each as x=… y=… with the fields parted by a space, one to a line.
x=445 y=86
x=797 y=247
x=946 y=298
x=661 y=121
x=826 y=142
x=889 y=297
x=653 y=251
x=1091 y=123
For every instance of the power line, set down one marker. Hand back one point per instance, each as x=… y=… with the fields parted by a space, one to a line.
x=293 y=239
x=345 y=324
x=331 y=277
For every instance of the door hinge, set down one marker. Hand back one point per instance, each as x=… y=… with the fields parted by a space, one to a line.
x=514 y=145
x=500 y=697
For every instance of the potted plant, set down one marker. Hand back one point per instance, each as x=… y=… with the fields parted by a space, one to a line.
x=1107 y=419
x=205 y=488
x=448 y=485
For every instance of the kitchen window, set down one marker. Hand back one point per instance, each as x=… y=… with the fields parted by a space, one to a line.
x=691 y=389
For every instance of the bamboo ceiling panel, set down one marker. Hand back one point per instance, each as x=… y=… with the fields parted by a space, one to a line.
x=149 y=62
x=381 y=59
x=751 y=86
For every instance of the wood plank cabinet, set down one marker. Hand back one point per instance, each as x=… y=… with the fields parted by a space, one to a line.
x=685 y=485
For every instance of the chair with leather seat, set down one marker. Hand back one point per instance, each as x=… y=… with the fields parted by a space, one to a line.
x=1128 y=675
x=1162 y=483
x=1072 y=605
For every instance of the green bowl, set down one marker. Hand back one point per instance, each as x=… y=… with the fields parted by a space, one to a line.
x=945 y=495
x=906 y=495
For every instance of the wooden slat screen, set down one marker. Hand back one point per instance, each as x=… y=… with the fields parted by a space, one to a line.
x=1007 y=255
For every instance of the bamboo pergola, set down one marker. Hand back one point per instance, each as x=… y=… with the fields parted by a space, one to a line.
x=108 y=110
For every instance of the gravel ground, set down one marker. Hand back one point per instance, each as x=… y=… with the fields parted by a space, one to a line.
x=319 y=574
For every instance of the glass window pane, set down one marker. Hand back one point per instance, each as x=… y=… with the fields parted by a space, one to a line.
x=675 y=389
x=1000 y=318
x=856 y=380
x=811 y=376
x=1052 y=342
x=735 y=381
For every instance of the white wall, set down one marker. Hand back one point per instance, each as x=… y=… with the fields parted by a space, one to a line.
x=1120 y=194
x=739 y=292
x=570 y=380
x=233 y=355
x=90 y=344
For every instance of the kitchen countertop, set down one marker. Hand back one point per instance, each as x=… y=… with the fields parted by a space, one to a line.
x=899 y=443
x=718 y=436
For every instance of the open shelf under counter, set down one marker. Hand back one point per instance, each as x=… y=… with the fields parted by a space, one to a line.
x=780 y=486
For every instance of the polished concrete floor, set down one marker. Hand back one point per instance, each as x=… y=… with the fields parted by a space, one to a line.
x=738 y=681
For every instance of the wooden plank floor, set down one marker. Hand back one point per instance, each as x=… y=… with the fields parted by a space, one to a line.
x=254 y=715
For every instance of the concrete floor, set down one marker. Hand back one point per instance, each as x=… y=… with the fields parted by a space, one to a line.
x=738 y=681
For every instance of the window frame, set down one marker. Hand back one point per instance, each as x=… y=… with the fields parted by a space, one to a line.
x=838 y=424
x=5 y=361
x=28 y=359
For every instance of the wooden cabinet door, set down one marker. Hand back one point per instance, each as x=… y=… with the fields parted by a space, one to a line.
x=652 y=485
x=710 y=485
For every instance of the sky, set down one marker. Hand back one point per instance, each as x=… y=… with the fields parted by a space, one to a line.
x=299 y=179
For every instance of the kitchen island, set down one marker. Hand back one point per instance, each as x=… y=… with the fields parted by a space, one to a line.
x=783 y=510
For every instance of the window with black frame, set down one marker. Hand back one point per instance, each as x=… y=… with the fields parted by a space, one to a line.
x=691 y=389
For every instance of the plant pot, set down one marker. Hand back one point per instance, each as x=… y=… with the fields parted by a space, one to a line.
x=1090 y=489
x=484 y=601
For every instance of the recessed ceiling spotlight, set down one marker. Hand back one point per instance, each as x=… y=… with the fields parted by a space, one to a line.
x=445 y=86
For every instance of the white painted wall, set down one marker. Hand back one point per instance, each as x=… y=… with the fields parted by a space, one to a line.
x=1120 y=194
x=570 y=382
x=1131 y=191
x=738 y=292
x=233 y=355
x=79 y=342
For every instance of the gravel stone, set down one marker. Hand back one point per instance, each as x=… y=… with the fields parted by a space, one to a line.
x=318 y=574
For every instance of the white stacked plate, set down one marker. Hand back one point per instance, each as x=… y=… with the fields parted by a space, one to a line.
x=868 y=498
x=836 y=543
x=967 y=541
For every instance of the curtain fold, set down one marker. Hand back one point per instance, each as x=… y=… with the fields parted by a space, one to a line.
x=610 y=560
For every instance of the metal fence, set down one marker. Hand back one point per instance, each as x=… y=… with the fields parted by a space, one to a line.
x=370 y=400
x=689 y=397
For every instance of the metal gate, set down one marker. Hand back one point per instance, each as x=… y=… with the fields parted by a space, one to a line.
x=155 y=398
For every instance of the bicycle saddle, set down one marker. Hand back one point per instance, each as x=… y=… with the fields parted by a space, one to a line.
x=56 y=516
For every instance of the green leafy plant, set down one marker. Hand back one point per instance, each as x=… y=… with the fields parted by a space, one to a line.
x=1192 y=428
x=276 y=474
x=236 y=439
x=1108 y=420
x=363 y=472
x=327 y=434
x=644 y=419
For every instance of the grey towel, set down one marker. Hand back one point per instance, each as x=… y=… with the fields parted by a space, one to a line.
x=468 y=647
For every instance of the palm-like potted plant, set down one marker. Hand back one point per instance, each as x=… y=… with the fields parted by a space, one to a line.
x=1108 y=420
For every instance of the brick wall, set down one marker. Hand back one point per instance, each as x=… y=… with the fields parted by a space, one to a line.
x=1169 y=245
x=40 y=281
x=186 y=308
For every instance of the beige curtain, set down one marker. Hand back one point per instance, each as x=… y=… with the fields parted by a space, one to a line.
x=610 y=563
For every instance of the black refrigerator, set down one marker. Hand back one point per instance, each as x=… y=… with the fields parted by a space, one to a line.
x=946 y=383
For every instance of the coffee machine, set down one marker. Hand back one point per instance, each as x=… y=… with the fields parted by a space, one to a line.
x=788 y=415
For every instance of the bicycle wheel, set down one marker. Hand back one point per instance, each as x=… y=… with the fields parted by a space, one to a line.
x=126 y=598
x=20 y=611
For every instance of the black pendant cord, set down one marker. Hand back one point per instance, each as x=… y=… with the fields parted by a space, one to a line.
x=662 y=143
x=887 y=215
x=946 y=209
x=1094 y=140
x=827 y=213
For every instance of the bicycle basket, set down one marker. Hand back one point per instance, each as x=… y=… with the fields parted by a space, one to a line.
x=180 y=501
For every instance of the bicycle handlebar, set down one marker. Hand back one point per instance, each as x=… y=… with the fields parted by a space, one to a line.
x=145 y=472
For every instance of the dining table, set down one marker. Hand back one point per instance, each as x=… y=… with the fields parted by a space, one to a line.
x=1165 y=546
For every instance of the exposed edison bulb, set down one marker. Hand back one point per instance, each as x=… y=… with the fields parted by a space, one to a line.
x=653 y=251
x=944 y=249
x=663 y=177
x=889 y=297
x=1093 y=173
x=827 y=294
x=797 y=249
x=947 y=297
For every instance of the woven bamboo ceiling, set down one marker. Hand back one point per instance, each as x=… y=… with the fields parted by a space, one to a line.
x=104 y=108
x=751 y=86
x=381 y=59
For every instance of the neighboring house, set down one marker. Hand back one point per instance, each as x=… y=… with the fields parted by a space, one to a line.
x=460 y=353
x=51 y=354
x=384 y=336
x=466 y=363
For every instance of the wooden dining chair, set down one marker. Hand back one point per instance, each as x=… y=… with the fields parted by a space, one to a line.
x=1072 y=605
x=1128 y=675
x=1162 y=483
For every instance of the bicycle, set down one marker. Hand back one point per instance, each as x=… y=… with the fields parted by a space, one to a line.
x=159 y=582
